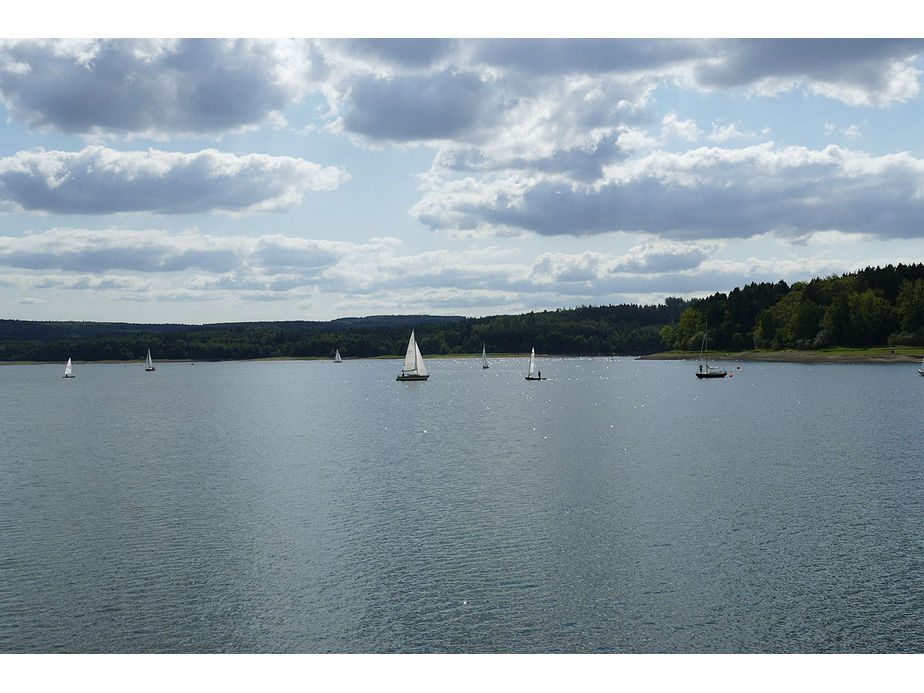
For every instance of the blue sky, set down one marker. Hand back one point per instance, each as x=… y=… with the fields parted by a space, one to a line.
x=216 y=179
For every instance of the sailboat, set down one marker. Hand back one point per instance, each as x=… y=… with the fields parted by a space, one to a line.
x=337 y=358
x=921 y=369
x=484 y=357
x=414 y=366
x=149 y=364
x=68 y=369
x=531 y=374
x=705 y=370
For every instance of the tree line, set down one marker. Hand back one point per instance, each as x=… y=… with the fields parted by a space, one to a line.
x=875 y=306
x=583 y=331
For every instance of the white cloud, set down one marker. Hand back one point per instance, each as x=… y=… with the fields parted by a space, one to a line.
x=897 y=83
x=708 y=192
x=859 y=72
x=153 y=88
x=827 y=238
x=191 y=268
x=155 y=251
x=531 y=138
x=722 y=132
x=99 y=180
x=673 y=127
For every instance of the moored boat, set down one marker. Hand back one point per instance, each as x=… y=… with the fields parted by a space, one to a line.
x=705 y=370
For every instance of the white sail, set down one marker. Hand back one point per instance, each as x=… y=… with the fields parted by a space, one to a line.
x=484 y=356
x=532 y=364
x=337 y=358
x=414 y=366
x=421 y=366
x=149 y=364
x=410 y=358
x=68 y=369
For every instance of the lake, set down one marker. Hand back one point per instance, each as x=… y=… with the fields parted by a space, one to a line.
x=305 y=506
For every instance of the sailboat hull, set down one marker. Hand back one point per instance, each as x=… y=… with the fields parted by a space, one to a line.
x=68 y=376
x=533 y=377
x=719 y=374
x=150 y=369
x=408 y=377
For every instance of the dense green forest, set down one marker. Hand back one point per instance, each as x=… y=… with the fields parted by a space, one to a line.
x=872 y=307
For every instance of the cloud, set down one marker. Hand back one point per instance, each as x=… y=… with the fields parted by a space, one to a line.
x=583 y=162
x=529 y=138
x=703 y=193
x=557 y=57
x=868 y=72
x=82 y=250
x=411 y=52
x=155 y=88
x=156 y=266
x=488 y=116
x=98 y=180
x=673 y=127
x=655 y=256
x=651 y=258
x=724 y=132
x=519 y=101
x=411 y=108
x=411 y=90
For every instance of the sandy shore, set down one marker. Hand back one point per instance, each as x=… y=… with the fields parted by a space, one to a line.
x=793 y=356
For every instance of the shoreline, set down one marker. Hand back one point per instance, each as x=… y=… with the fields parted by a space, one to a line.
x=904 y=355
x=794 y=356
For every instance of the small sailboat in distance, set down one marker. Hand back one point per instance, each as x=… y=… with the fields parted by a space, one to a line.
x=68 y=369
x=484 y=357
x=337 y=358
x=705 y=370
x=531 y=373
x=149 y=364
x=921 y=369
x=414 y=366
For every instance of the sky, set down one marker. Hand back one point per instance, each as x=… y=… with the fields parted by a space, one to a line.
x=211 y=180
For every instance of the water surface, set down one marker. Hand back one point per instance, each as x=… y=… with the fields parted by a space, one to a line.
x=620 y=506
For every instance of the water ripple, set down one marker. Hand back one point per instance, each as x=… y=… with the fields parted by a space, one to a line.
x=622 y=507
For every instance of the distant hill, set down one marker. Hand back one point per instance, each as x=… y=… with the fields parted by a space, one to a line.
x=49 y=331
x=872 y=307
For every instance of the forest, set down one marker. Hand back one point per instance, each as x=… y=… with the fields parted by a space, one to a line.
x=872 y=307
